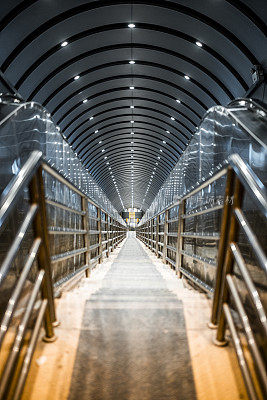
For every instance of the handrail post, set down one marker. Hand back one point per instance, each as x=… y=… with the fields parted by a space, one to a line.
x=166 y=213
x=179 y=242
x=107 y=229
x=86 y=236
x=112 y=234
x=99 y=235
x=229 y=262
x=151 y=234
x=222 y=248
x=157 y=236
x=37 y=195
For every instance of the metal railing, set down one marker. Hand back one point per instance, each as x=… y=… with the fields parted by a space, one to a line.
x=40 y=305
x=12 y=381
x=244 y=180
x=165 y=234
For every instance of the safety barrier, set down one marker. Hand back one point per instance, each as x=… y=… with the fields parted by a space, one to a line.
x=239 y=286
x=28 y=300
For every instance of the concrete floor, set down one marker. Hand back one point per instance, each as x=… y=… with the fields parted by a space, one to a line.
x=133 y=331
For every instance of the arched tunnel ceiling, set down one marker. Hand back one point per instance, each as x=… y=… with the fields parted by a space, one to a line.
x=213 y=43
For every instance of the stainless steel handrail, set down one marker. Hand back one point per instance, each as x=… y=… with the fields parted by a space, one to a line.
x=17 y=184
x=250 y=180
x=21 y=106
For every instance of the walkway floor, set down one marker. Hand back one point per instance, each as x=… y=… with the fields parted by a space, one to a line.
x=131 y=332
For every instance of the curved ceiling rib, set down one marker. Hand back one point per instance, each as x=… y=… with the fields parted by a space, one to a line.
x=64 y=128
x=122 y=97
x=96 y=75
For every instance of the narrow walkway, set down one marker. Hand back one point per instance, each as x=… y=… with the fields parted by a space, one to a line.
x=133 y=331
x=133 y=342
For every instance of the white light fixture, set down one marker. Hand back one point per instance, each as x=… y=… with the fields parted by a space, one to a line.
x=100 y=142
x=132 y=62
x=132 y=142
x=132 y=87
x=105 y=158
x=131 y=26
x=160 y=150
x=132 y=133
x=132 y=122
x=90 y=119
x=178 y=101
x=198 y=44
x=173 y=119
x=167 y=131
x=187 y=77
x=163 y=141
x=76 y=77
x=96 y=131
x=85 y=101
x=131 y=106
x=64 y=44
x=159 y=157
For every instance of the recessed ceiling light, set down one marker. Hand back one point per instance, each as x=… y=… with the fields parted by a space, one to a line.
x=199 y=44
x=103 y=150
x=132 y=150
x=132 y=133
x=187 y=77
x=85 y=101
x=132 y=122
x=91 y=118
x=163 y=141
x=132 y=87
x=76 y=77
x=178 y=101
x=132 y=62
x=131 y=106
x=159 y=157
x=105 y=158
x=131 y=26
x=173 y=119
x=64 y=44
x=167 y=131
x=100 y=142
x=132 y=142
x=160 y=150
x=96 y=131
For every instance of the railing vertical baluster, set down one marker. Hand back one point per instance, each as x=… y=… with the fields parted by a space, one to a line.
x=225 y=221
x=99 y=235
x=151 y=234
x=112 y=234
x=157 y=236
x=179 y=242
x=166 y=213
x=107 y=229
x=86 y=235
x=37 y=195
x=229 y=261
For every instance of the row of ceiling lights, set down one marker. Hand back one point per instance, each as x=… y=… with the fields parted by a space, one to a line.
x=132 y=62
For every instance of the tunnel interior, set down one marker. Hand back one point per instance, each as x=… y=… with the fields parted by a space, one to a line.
x=128 y=82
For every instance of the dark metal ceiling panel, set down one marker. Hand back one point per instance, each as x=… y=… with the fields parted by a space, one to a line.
x=213 y=43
